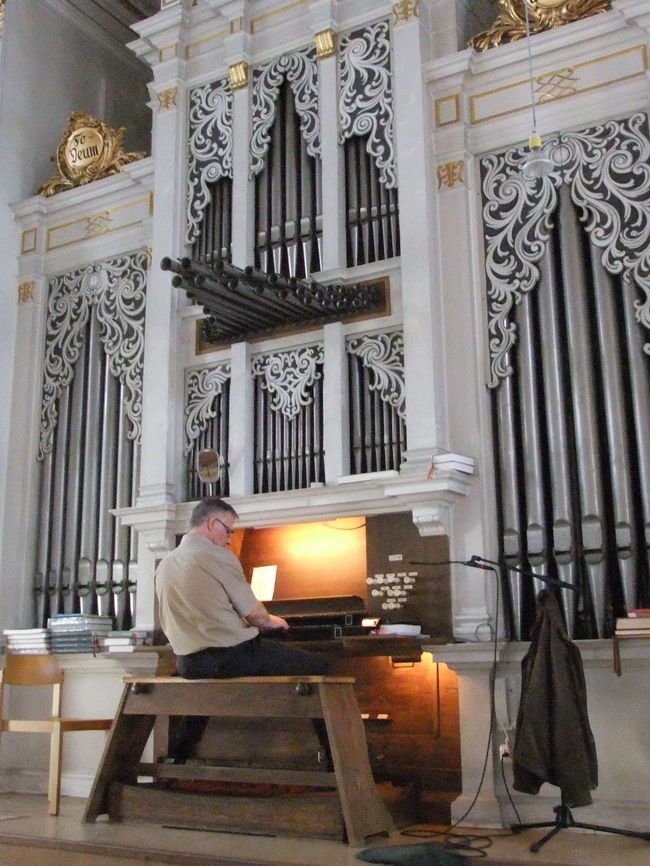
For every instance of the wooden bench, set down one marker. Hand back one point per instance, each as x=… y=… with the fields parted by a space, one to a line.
x=333 y=799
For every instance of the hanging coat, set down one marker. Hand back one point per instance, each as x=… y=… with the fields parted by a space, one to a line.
x=553 y=738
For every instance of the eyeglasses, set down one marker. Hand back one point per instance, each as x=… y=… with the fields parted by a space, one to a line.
x=229 y=531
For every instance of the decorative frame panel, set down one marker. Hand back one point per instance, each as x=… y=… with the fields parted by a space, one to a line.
x=365 y=95
x=383 y=355
x=116 y=288
x=300 y=69
x=201 y=388
x=289 y=377
x=608 y=170
x=209 y=148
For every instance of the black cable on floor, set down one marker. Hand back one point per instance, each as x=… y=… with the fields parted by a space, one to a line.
x=455 y=841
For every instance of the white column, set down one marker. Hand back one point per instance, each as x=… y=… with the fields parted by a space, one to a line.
x=160 y=471
x=243 y=188
x=241 y=432
x=473 y=664
x=237 y=57
x=21 y=494
x=421 y=280
x=324 y=19
x=336 y=435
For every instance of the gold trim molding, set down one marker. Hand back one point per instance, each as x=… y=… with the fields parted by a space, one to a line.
x=594 y=74
x=325 y=43
x=238 y=75
x=28 y=241
x=447 y=109
x=450 y=174
x=89 y=150
x=510 y=23
x=26 y=292
x=403 y=10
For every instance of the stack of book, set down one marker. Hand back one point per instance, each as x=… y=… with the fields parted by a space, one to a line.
x=27 y=640
x=122 y=641
x=78 y=632
x=635 y=624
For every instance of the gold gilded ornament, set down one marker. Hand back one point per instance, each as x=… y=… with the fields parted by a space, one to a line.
x=88 y=150
x=403 y=10
x=510 y=23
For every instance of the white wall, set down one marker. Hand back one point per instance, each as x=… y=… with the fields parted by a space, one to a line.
x=51 y=64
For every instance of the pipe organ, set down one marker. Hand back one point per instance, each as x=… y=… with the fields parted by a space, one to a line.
x=89 y=446
x=288 y=220
x=568 y=308
x=366 y=120
x=495 y=394
x=288 y=425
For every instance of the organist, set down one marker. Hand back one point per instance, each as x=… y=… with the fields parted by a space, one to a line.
x=209 y=613
x=211 y=617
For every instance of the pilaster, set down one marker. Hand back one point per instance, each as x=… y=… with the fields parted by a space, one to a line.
x=237 y=53
x=240 y=447
x=421 y=278
x=336 y=435
x=162 y=399
x=324 y=18
x=21 y=493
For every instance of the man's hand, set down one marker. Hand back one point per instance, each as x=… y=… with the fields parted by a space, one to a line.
x=265 y=621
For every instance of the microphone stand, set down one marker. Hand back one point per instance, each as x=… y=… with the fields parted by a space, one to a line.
x=564 y=819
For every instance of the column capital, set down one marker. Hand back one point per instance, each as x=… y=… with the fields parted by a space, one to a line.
x=405 y=10
x=325 y=41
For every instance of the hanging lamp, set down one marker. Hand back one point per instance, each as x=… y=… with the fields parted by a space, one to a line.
x=536 y=164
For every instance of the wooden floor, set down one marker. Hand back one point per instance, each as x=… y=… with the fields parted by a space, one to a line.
x=31 y=837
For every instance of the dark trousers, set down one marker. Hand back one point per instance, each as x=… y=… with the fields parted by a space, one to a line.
x=258 y=657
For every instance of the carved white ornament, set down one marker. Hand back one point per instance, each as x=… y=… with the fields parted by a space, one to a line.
x=301 y=71
x=209 y=148
x=289 y=377
x=608 y=171
x=116 y=289
x=365 y=96
x=383 y=355
x=201 y=389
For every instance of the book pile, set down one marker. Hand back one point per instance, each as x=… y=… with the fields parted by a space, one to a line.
x=27 y=640
x=635 y=624
x=77 y=632
x=122 y=641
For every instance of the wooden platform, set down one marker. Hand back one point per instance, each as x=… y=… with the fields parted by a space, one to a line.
x=31 y=837
x=336 y=796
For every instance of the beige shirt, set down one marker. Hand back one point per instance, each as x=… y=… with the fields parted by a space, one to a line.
x=203 y=597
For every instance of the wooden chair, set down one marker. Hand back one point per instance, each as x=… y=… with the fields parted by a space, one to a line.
x=43 y=670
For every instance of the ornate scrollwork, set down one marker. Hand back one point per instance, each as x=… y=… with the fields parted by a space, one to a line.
x=510 y=23
x=365 y=96
x=210 y=148
x=289 y=377
x=201 y=389
x=383 y=355
x=89 y=150
x=117 y=289
x=301 y=71
x=608 y=172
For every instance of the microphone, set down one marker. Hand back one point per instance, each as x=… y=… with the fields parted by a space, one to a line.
x=474 y=562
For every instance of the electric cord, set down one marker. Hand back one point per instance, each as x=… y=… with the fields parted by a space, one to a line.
x=467 y=844
x=505 y=785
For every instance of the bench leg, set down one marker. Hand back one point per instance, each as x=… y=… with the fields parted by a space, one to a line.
x=364 y=812
x=122 y=753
